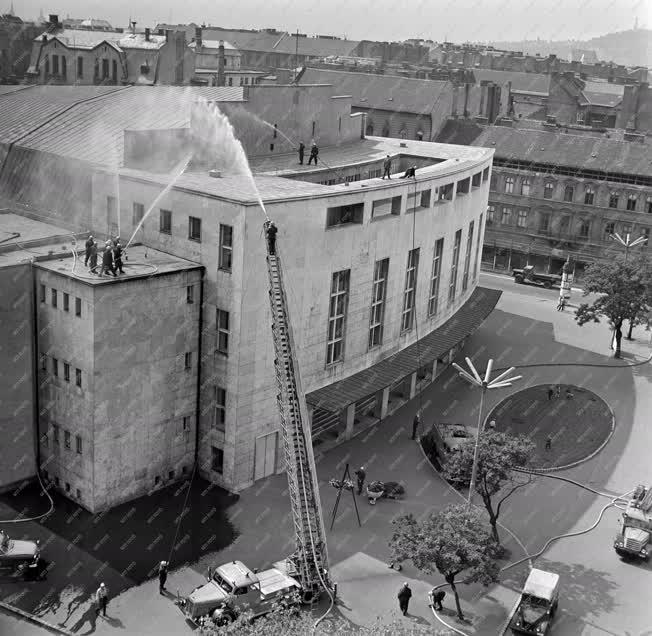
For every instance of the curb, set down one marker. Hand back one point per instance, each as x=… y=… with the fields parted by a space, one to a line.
x=35 y=619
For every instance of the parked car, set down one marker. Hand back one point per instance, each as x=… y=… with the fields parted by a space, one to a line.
x=528 y=275
x=18 y=557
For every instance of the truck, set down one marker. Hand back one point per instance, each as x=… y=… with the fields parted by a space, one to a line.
x=528 y=275
x=21 y=558
x=233 y=588
x=633 y=539
x=537 y=605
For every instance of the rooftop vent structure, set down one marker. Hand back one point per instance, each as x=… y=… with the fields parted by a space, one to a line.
x=216 y=174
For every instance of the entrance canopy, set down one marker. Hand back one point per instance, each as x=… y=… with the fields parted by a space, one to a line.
x=438 y=342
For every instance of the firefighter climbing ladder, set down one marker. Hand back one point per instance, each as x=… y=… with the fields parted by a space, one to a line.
x=311 y=557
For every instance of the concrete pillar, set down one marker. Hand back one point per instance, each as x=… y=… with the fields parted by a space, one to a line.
x=349 y=417
x=382 y=400
x=413 y=385
x=434 y=369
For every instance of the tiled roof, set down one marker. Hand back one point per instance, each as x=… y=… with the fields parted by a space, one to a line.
x=82 y=39
x=23 y=111
x=594 y=86
x=92 y=131
x=529 y=82
x=553 y=148
x=466 y=320
x=214 y=44
x=385 y=92
x=11 y=88
x=601 y=99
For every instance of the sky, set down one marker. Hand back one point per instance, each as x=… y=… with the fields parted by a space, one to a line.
x=453 y=20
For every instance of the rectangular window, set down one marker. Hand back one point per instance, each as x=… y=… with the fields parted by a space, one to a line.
x=66 y=439
x=55 y=367
x=378 y=297
x=485 y=174
x=80 y=67
x=105 y=68
x=613 y=200
x=506 y=216
x=648 y=205
x=476 y=180
x=425 y=198
x=569 y=193
x=433 y=300
x=194 y=229
x=217 y=460
x=114 y=67
x=631 y=202
x=525 y=186
x=521 y=218
x=589 y=195
x=54 y=298
x=42 y=293
x=410 y=292
x=548 y=190
x=219 y=420
x=78 y=307
x=190 y=294
x=66 y=372
x=491 y=214
x=446 y=192
x=494 y=183
x=222 y=325
x=138 y=212
x=464 y=186
x=187 y=360
x=185 y=423
x=226 y=247
x=55 y=65
x=544 y=221
x=584 y=229
x=564 y=226
x=467 y=258
x=386 y=207
x=165 y=224
x=78 y=377
x=339 y=299
x=78 y=444
x=64 y=69
x=452 y=287
x=509 y=185
x=66 y=301
x=609 y=229
x=645 y=232
x=55 y=433
x=477 y=248
x=627 y=229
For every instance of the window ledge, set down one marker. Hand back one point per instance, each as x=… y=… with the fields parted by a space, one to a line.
x=194 y=240
x=383 y=217
x=339 y=225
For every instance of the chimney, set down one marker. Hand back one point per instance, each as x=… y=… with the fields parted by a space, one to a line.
x=147 y=32
x=221 y=61
x=54 y=19
x=198 y=40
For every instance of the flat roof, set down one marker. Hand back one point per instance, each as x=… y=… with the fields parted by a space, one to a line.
x=140 y=262
x=270 y=172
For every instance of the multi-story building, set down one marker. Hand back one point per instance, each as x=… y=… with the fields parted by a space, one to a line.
x=557 y=194
x=16 y=38
x=381 y=278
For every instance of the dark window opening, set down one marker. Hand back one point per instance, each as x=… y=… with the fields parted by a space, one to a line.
x=345 y=214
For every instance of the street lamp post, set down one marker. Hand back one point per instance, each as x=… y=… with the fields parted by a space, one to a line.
x=473 y=377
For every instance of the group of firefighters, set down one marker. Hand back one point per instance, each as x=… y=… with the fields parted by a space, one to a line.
x=111 y=256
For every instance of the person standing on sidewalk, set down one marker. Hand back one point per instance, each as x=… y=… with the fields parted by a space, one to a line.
x=360 y=476
x=162 y=576
x=102 y=599
x=302 y=150
x=404 y=596
x=415 y=424
x=551 y=394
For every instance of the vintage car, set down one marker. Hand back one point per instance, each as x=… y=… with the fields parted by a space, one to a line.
x=18 y=557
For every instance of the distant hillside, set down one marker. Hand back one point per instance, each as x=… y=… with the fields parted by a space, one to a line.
x=632 y=48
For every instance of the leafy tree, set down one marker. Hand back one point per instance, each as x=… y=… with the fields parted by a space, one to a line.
x=623 y=289
x=498 y=453
x=457 y=539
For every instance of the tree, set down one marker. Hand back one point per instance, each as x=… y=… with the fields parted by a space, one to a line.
x=452 y=541
x=623 y=289
x=498 y=453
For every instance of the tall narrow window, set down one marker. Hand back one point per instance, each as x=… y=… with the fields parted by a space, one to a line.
x=190 y=294
x=509 y=185
x=66 y=439
x=226 y=247
x=631 y=202
x=223 y=331
x=55 y=433
x=521 y=218
x=219 y=419
x=66 y=372
x=138 y=210
x=409 y=295
x=165 y=222
x=64 y=70
x=433 y=300
x=42 y=293
x=114 y=65
x=339 y=299
x=477 y=248
x=491 y=214
x=66 y=301
x=525 y=186
x=187 y=360
x=569 y=193
x=217 y=460
x=55 y=65
x=613 y=200
x=589 y=195
x=378 y=297
x=78 y=377
x=194 y=229
x=467 y=258
x=80 y=67
x=506 y=216
x=548 y=190
x=452 y=286
x=78 y=307
x=54 y=298
x=78 y=444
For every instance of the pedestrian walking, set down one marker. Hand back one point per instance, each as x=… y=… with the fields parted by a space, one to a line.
x=117 y=256
x=436 y=598
x=88 y=244
x=551 y=393
x=360 y=475
x=415 y=424
x=314 y=152
x=404 y=596
x=102 y=599
x=92 y=258
x=387 y=167
x=108 y=264
x=548 y=443
x=561 y=304
x=271 y=238
x=162 y=576
x=302 y=150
